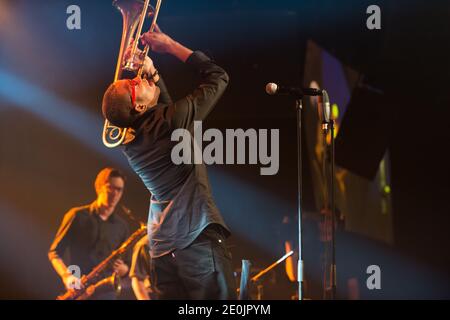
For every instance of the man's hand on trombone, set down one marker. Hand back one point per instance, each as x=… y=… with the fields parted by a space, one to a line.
x=162 y=43
x=149 y=68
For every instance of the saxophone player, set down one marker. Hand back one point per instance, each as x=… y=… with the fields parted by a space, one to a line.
x=91 y=232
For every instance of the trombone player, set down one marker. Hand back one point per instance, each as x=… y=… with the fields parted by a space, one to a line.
x=187 y=234
x=91 y=232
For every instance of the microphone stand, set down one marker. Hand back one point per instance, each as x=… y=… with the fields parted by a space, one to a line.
x=272 y=88
x=328 y=125
x=333 y=215
x=298 y=105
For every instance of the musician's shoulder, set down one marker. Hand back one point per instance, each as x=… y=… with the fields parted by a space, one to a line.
x=82 y=210
x=74 y=212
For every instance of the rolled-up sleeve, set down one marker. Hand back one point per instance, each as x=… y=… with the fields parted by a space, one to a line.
x=63 y=236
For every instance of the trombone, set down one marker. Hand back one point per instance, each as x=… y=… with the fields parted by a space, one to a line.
x=133 y=13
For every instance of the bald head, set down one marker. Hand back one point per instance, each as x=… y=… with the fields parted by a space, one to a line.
x=116 y=105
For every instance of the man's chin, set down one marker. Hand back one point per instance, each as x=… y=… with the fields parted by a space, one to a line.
x=112 y=204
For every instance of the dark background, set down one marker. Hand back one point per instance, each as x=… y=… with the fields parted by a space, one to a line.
x=52 y=81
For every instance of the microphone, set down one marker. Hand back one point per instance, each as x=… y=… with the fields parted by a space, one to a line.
x=273 y=89
x=326 y=106
x=323 y=106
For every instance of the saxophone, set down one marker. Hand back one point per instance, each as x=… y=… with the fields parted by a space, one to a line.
x=92 y=282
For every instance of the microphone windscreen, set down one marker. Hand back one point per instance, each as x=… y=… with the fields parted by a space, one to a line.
x=271 y=88
x=327 y=107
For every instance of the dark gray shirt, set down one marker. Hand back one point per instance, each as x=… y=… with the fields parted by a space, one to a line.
x=182 y=204
x=88 y=239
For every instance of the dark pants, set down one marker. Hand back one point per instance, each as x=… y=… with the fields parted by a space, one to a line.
x=202 y=271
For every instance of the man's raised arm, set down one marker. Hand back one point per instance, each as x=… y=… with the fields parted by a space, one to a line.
x=213 y=82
